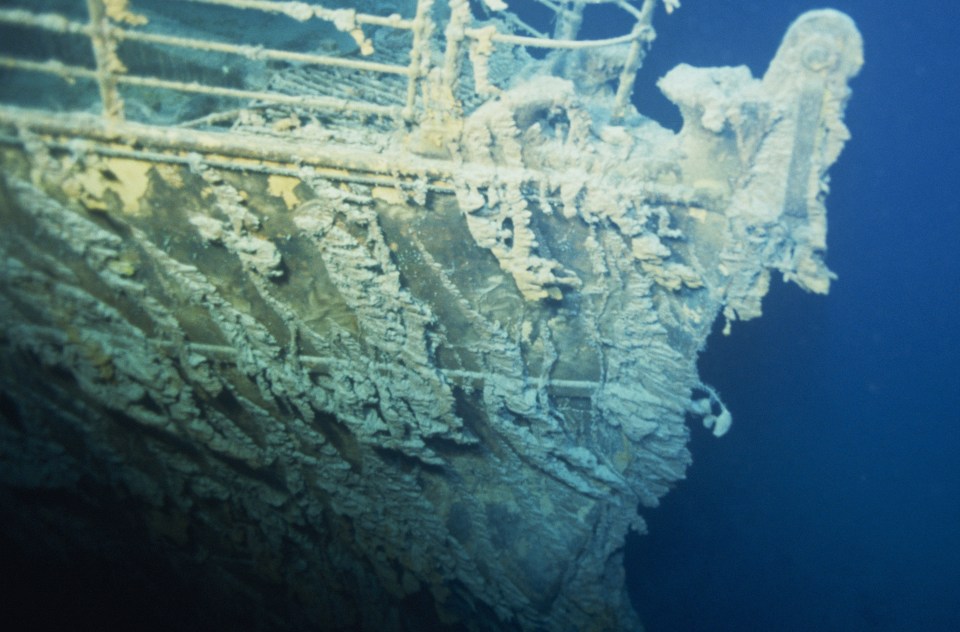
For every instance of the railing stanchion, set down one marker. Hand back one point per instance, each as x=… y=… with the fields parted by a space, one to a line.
x=108 y=64
x=419 y=54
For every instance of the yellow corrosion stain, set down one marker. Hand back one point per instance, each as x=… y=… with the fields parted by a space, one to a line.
x=390 y=195
x=170 y=174
x=132 y=181
x=126 y=178
x=283 y=187
x=119 y=11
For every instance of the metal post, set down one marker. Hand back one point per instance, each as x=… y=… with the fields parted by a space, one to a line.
x=460 y=18
x=419 y=53
x=108 y=64
x=569 y=19
x=642 y=34
x=629 y=73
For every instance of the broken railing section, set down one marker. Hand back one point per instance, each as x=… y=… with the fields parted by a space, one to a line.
x=441 y=117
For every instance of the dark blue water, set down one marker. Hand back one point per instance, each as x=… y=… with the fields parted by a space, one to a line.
x=834 y=501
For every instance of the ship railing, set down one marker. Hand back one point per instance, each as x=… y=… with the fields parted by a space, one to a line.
x=432 y=55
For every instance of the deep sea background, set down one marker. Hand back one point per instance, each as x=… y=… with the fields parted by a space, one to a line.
x=834 y=501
